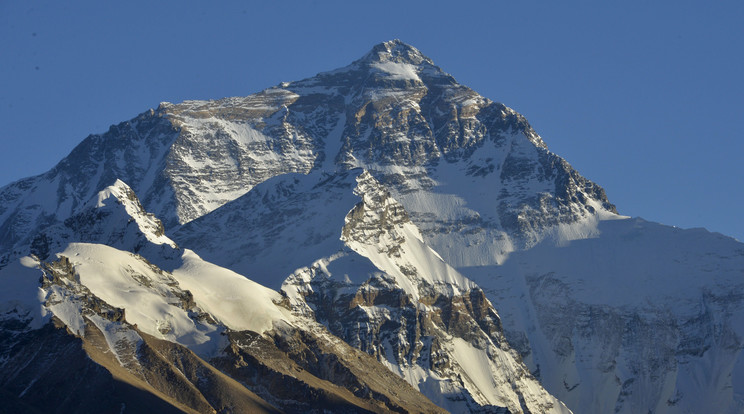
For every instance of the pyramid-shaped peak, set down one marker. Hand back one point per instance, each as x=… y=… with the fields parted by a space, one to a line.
x=398 y=52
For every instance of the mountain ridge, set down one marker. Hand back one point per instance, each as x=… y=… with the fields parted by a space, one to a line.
x=166 y=331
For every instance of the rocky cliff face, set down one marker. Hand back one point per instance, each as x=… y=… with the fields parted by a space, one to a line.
x=358 y=265
x=414 y=313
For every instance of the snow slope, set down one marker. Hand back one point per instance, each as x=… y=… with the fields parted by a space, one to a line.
x=363 y=269
x=232 y=299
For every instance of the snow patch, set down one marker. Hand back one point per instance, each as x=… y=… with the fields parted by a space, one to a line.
x=397 y=71
x=232 y=299
x=147 y=295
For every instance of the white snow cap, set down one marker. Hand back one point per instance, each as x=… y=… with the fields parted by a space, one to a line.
x=397 y=52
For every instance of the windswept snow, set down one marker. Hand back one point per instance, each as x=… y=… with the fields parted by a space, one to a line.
x=230 y=298
x=149 y=296
x=161 y=304
x=398 y=71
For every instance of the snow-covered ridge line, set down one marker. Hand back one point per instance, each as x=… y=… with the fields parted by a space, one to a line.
x=120 y=193
x=190 y=306
x=388 y=293
x=379 y=229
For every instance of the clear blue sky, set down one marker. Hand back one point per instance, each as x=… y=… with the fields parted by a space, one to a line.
x=645 y=98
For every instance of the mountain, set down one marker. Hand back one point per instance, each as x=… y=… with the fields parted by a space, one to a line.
x=392 y=112
x=399 y=241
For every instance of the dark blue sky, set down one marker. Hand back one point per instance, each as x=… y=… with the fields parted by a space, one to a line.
x=645 y=98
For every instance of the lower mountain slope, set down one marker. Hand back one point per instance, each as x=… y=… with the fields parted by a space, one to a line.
x=33 y=379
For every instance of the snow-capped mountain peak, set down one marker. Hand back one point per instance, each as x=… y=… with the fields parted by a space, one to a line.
x=119 y=198
x=114 y=217
x=396 y=210
x=396 y=51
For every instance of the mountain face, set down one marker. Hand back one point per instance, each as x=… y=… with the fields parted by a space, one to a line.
x=646 y=317
x=392 y=112
x=378 y=286
x=374 y=238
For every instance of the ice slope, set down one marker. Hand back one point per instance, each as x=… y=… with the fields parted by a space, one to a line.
x=153 y=299
x=190 y=306
x=642 y=317
x=232 y=299
x=150 y=298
